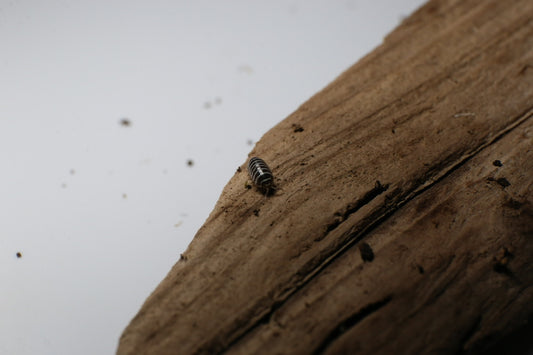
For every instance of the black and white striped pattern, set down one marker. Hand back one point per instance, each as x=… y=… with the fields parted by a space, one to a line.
x=261 y=174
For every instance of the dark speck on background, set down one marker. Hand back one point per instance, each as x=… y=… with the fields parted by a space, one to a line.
x=249 y=142
x=125 y=122
x=190 y=163
x=209 y=104
x=19 y=254
x=497 y=163
x=246 y=69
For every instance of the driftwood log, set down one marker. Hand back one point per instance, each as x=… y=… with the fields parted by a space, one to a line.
x=403 y=219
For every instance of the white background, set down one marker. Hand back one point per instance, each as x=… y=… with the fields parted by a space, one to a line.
x=101 y=211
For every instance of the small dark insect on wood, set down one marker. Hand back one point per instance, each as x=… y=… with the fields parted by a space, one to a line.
x=261 y=175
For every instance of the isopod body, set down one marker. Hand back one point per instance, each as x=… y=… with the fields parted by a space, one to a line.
x=261 y=174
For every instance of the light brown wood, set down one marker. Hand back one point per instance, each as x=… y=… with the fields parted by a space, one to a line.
x=423 y=150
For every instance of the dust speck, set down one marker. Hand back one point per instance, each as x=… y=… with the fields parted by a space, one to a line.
x=246 y=69
x=190 y=163
x=125 y=122
x=19 y=254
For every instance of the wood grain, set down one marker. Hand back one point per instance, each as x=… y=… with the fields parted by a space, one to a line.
x=398 y=152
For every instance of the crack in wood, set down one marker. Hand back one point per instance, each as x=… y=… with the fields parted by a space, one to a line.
x=352 y=208
x=469 y=334
x=351 y=322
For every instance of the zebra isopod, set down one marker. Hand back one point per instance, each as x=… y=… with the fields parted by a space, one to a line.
x=261 y=175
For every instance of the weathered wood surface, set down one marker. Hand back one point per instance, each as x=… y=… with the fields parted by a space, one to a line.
x=399 y=153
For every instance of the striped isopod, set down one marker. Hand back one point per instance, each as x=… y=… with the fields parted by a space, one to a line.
x=261 y=175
